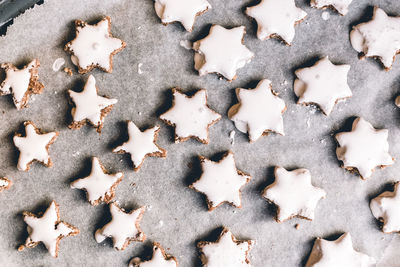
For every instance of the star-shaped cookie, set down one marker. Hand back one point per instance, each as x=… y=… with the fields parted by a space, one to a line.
x=226 y=251
x=386 y=208
x=323 y=84
x=141 y=144
x=48 y=229
x=159 y=259
x=94 y=46
x=258 y=112
x=190 y=115
x=364 y=148
x=293 y=194
x=221 y=182
x=222 y=52
x=339 y=252
x=89 y=107
x=341 y=6
x=99 y=185
x=183 y=11
x=276 y=19
x=34 y=146
x=21 y=83
x=378 y=38
x=5 y=183
x=123 y=227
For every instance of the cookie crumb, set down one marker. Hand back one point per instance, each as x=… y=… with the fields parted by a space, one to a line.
x=139 y=70
x=397 y=101
x=325 y=15
x=58 y=64
x=186 y=44
x=297 y=226
x=68 y=71
x=232 y=137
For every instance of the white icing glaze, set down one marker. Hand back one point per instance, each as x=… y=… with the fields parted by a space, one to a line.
x=339 y=252
x=363 y=148
x=386 y=206
x=322 y=84
x=94 y=45
x=379 y=37
x=17 y=82
x=122 y=227
x=190 y=115
x=184 y=11
x=46 y=229
x=294 y=194
x=57 y=64
x=341 y=6
x=221 y=182
x=140 y=144
x=157 y=260
x=222 y=51
x=276 y=17
x=33 y=147
x=258 y=111
x=98 y=184
x=88 y=104
x=227 y=251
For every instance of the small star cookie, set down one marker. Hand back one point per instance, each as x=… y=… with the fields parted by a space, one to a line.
x=222 y=52
x=339 y=252
x=293 y=194
x=5 y=183
x=226 y=251
x=159 y=259
x=190 y=115
x=341 y=6
x=94 y=46
x=364 y=148
x=378 y=38
x=141 y=144
x=48 y=229
x=21 y=83
x=123 y=227
x=276 y=19
x=34 y=146
x=221 y=182
x=386 y=208
x=99 y=185
x=89 y=107
x=258 y=112
x=323 y=84
x=183 y=11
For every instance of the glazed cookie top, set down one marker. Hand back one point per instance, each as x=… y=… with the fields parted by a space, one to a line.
x=259 y=111
x=379 y=37
x=323 y=84
x=364 y=148
x=159 y=259
x=276 y=19
x=341 y=6
x=222 y=52
x=293 y=194
x=183 y=11
x=339 y=252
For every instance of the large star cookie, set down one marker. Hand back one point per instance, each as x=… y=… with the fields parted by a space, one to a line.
x=276 y=19
x=94 y=46
x=5 y=183
x=190 y=115
x=258 y=112
x=88 y=106
x=341 y=6
x=183 y=11
x=21 y=83
x=159 y=259
x=323 y=84
x=378 y=38
x=221 y=182
x=123 y=227
x=293 y=194
x=386 y=208
x=226 y=251
x=48 y=229
x=141 y=144
x=99 y=185
x=222 y=52
x=364 y=148
x=339 y=252
x=34 y=146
